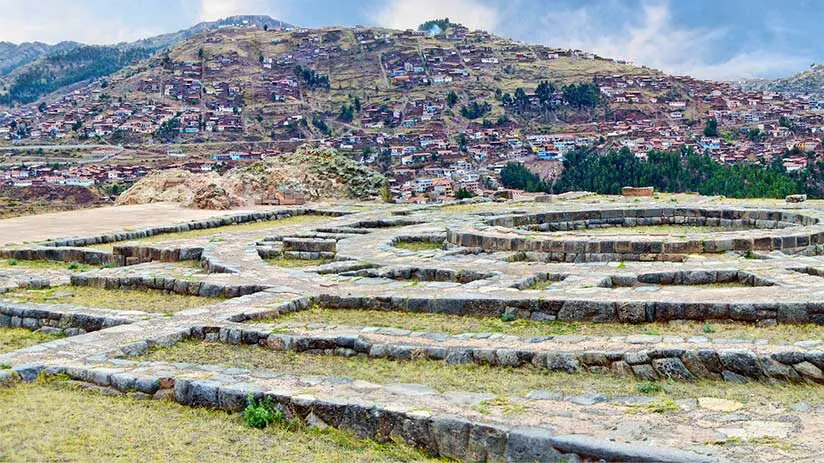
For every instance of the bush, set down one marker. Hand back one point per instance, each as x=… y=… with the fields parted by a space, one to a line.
x=463 y=193
x=649 y=387
x=12 y=262
x=261 y=413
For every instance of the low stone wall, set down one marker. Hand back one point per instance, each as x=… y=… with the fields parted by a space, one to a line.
x=687 y=277
x=448 y=436
x=642 y=248
x=63 y=254
x=664 y=363
x=177 y=286
x=554 y=308
x=132 y=255
x=528 y=282
x=572 y=220
x=421 y=274
x=70 y=321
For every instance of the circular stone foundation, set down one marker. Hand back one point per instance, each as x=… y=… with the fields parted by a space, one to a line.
x=736 y=230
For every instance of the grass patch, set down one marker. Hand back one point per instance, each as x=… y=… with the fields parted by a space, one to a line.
x=291 y=262
x=541 y=285
x=46 y=265
x=52 y=422
x=12 y=339
x=419 y=246
x=455 y=324
x=118 y=299
x=471 y=377
x=207 y=232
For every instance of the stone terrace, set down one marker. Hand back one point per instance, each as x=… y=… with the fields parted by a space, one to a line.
x=537 y=263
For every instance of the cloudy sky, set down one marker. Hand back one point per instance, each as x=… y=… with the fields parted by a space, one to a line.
x=714 y=39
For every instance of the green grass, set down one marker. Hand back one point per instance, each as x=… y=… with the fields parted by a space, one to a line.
x=119 y=299
x=12 y=339
x=46 y=265
x=471 y=377
x=419 y=246
x=207 y=232
x=56 y=422
x=541 y=285
x=455 y=324
x=290 y=262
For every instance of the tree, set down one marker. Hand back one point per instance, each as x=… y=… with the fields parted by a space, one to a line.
x=711 y=127
x=200 y=53
x=42 y=107
x=476 y=110
x=581 y=95
x=265 y=27
x=463 y=193
x=346 y=113
x=451 y=98
x=514 y=175
x=784 y=121
x=357 y=105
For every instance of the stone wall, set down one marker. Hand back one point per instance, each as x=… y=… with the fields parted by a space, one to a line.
x=568 y=309
x=70 y=321
x=177 y=286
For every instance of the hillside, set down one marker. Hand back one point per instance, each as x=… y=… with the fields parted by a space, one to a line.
x=249 y=84
x=12 y=56
x=809 y=81
x=30 y=71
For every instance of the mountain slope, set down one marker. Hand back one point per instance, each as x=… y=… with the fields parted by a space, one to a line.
x=12 y=56
x=36 y=69
x=808 y=81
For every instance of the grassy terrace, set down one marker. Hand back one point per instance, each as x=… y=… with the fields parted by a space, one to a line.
x=419 y=246
x=12 y=339
x=207 y=232
x=45 y=265
x=526 y=328
x=118 y=299
x=54 y=422
x=291 y=262
x=473 y=378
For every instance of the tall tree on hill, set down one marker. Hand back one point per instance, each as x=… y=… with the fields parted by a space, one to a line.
x=711 y=127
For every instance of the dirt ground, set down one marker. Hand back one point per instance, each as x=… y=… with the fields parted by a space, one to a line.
x=97 y=220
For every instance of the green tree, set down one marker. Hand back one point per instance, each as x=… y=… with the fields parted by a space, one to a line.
x=711 y=127
x=451 y=98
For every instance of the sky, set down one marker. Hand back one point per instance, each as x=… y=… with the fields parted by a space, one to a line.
x=710 y=39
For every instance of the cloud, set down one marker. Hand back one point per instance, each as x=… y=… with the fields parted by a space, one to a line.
x=651 y=37
x=405 y=14
x=57 y=20
x=211 y=10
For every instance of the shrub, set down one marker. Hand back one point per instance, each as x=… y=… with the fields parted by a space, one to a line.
x=261 y=413
x=12 y=261
x=708 y=328
x=507 y=317
x=649 y=387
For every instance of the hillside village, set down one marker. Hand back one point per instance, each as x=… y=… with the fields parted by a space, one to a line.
x=437 y=113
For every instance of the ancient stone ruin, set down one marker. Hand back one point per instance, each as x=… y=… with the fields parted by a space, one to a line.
x=607 y=265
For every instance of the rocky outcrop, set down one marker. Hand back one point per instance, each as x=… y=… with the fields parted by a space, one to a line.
x=314 y=173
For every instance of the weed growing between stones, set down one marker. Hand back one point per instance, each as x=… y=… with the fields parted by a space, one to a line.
x=261 y=413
